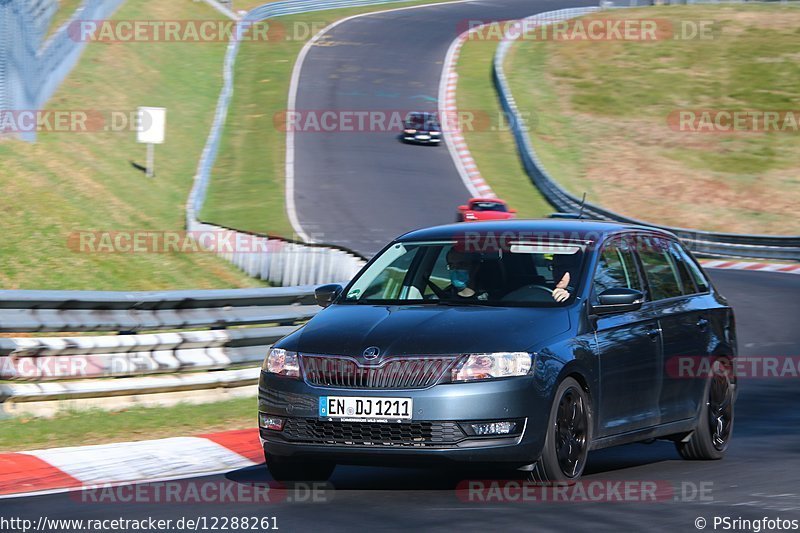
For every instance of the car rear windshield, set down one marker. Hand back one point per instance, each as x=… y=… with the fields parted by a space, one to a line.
x=452 y=273
x=489 y=206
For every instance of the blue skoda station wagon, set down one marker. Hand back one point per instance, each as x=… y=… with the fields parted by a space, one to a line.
x=523 y=344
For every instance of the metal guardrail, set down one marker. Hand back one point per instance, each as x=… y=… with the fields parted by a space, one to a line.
x=78 y=390
x=282 y=261
x=167 y=341
x=702 y=242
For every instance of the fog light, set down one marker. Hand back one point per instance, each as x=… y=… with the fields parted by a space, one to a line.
x=494 y=428
x=270 y=422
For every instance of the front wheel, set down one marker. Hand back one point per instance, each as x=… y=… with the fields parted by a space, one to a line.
x=711 y=437
x=285 y=469
x=569 y=433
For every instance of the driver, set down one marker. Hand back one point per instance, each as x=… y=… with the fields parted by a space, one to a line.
x=463 y=268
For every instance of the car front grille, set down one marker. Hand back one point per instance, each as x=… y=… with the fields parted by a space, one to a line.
x=397 y=373
x=412 y=434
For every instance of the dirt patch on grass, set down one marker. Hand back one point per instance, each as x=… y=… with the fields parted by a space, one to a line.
x=604 y=111
x=655 y=187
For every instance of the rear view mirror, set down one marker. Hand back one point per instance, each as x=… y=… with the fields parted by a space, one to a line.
x=618 y=300
x=326 y=294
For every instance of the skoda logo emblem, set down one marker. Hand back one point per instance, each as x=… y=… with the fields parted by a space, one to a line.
x=371 y=353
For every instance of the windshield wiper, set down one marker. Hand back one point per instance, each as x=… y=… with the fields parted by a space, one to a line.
x=451 y=303
x=457 y=303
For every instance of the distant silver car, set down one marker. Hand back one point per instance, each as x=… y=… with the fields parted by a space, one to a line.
x=422 y=128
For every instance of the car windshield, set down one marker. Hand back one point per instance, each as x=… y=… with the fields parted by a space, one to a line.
x=421 y=121
x=488 y=206
x=452 y=273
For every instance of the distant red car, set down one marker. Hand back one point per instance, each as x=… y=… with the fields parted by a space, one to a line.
x=484 y=209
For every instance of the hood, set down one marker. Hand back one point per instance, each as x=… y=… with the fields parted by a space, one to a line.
x=426 y=329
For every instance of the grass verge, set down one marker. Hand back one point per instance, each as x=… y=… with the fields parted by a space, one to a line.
x=604 y=109
x=247 y=184
x=76 y=428
x=69 y=181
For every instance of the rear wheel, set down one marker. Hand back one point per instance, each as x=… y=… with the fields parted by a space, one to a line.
x=286 y=469
x=569 y=433
x=714 y=428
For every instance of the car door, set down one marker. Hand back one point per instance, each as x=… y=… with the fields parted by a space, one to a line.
x=680 y=314
x=688 y=335
x=628 y=348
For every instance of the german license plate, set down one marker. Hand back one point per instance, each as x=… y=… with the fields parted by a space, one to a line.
x=365 y=409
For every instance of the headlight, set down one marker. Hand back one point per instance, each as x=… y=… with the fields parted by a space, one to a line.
x=283 y=363
x=409 y=131
x=492 y=365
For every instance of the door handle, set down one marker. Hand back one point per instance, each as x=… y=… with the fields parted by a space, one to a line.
x=702 y=324
x=654 y=333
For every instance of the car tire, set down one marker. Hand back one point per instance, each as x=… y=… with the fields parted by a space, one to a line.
x=286 y=469
x=569 y=429
x=712 y=435
x=459 y=217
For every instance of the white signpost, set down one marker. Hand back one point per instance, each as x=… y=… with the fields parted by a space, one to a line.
x=152 y=122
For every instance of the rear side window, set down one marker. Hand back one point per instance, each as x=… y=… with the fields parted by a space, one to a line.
x=700 y=280
x=687 y=283
x=660 y=268
x=616 y=267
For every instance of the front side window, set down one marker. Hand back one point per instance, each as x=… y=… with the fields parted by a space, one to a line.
x=448 y=272
x=660 y=268
x=616 y=268
x=387 y=275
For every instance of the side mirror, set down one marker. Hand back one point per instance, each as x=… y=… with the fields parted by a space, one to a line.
x=618 y=300
x=326 y=294
x=462 y=208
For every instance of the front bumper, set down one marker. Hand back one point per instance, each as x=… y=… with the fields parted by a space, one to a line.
x=422 y=139
x=438 y=411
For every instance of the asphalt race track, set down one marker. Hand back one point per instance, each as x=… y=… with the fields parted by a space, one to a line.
x=362 y=189
x=759 y=477
x=367 y=188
